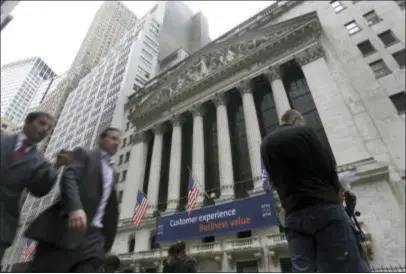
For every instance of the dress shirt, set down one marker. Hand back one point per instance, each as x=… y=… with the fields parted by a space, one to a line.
x=20 y=139
x=107 y=165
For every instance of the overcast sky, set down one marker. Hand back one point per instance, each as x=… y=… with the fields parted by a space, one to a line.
x=54 y=30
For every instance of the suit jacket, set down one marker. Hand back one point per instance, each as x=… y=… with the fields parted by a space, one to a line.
x=81 y=188
x=301 y=167
x=32 y=171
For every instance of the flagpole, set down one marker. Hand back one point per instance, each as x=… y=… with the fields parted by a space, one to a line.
x=200 y=186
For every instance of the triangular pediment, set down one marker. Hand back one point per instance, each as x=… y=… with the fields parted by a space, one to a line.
x=215 y=57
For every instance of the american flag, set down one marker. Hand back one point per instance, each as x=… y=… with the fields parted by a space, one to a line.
x=140 y=208
x=265 y=177
x=28 y=250
x=193 y=194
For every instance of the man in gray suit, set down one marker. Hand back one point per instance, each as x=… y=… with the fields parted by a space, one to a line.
x=75 y=234
x=22 y=168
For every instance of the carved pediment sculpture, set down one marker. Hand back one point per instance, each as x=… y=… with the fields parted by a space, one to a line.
x=217 y=57
x=164 y=94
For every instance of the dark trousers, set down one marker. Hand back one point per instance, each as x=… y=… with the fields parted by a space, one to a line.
x=320 y=239
x=88 y=257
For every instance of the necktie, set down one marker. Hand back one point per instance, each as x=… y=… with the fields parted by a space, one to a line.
x=19 y=152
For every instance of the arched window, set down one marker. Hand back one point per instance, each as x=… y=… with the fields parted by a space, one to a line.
x=131 y=243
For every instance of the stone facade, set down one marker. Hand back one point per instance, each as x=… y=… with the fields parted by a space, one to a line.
x=364 y=129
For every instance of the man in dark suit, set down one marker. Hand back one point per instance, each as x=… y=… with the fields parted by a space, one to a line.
x=22 y=168
x=303 y=172
x=75 y=234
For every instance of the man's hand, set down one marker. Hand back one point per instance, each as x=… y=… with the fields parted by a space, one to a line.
x=78 y=221
x=64 y=157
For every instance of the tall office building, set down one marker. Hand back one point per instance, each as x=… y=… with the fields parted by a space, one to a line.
x=180 y=28
x=19 y=84
x=44 y=91
x=98 y=100
x=6 y=125
x=6 y=7
x=111 y=22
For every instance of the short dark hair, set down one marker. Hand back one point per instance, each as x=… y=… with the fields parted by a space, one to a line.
x=173 y=250
x=181 y=246
x=104 y=133
x=32 y=116
x=112 y=263
x=291 y=116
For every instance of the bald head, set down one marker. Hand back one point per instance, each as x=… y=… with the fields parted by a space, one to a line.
x=292 y=117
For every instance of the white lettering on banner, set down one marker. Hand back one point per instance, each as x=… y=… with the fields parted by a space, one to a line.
x=203 y=218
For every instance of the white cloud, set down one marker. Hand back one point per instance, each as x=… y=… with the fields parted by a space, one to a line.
x=54 y=30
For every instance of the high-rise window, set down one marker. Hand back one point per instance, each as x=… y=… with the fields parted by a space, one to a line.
x=352 y=27
x=372 y=17
x=399 y=101
x=366 y=48
x=400 y=58
x=379 y=68
x=337 y=6
x=388 y=38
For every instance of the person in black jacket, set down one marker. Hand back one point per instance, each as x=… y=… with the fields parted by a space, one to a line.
x=186 y=263
x=178 y=261
x=75 y=234
x=23 y=168
x=303 y=171
x=170 y=262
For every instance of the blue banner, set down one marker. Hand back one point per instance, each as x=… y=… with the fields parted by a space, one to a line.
x=246 y=214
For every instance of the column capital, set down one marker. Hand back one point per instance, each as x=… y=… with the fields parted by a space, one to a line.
x=159 y=129
x=309 y=55
x=140 y=136
x=220 y=99
x=244 y=86
x=273 y=73
x=198 y=110
x=177 y=120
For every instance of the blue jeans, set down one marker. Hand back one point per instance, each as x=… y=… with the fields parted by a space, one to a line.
x=320 y=239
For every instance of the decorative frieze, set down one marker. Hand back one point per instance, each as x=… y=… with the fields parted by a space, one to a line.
x=310 y=54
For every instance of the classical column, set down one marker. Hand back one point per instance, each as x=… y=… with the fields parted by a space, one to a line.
x=142 y=237
x=252 y=131
x=175 y=164
x=338 y=123
x=198 y=150
x=155 y=169
x=224 y=148
x=225 y=263
x=279 y=94
x=135 y=174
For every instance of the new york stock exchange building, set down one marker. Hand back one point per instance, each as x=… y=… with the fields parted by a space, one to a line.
x=209 y=113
